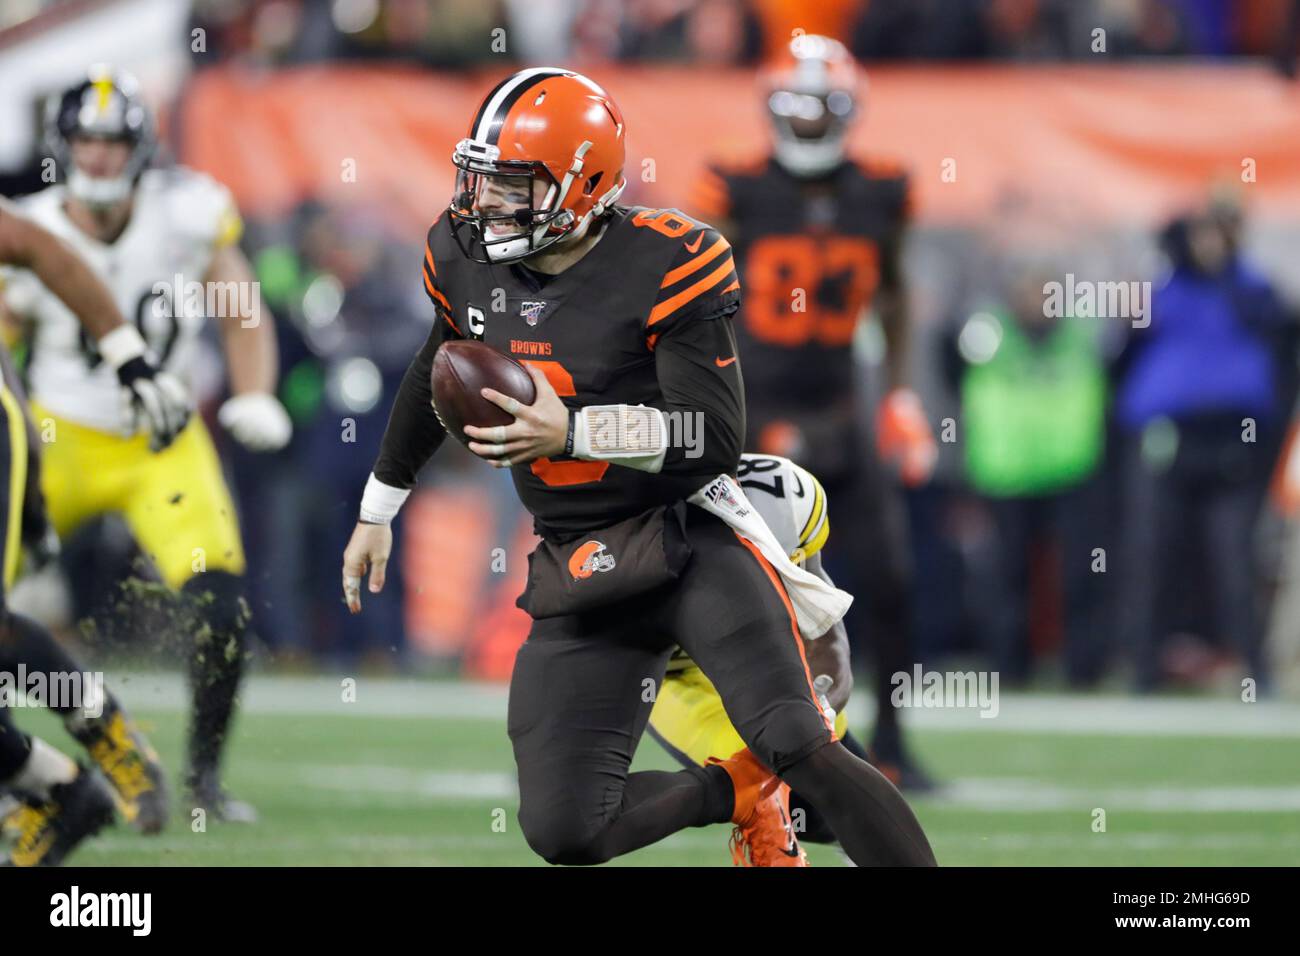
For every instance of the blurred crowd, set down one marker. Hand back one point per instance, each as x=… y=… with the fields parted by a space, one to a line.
x=460 y=33
x=1110 y=506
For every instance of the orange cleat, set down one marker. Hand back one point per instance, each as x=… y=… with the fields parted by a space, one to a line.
x=763 y=835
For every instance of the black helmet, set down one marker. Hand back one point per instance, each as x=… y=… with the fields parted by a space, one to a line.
x=106 y=103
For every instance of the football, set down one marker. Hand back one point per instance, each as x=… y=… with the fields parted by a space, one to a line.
x=460 y=370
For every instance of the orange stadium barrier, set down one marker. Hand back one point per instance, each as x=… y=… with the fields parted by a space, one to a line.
x=464 y=608
x=444 y=597
x=1121 y=145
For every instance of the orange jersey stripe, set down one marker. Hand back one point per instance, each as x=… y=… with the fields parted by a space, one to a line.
x=430 y=288
x=671 y=305
x=794 y=623
x=428 y=261
x=707 y=256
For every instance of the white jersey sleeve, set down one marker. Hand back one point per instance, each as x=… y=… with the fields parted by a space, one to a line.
x=791 y=501
x=202 y=210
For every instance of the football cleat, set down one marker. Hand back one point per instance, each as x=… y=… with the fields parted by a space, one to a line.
x=768 y=840
x=902 y=771
x=207 y=794
x=909 y=778
x=763 y=835
x=130 y=764
x=47 y=831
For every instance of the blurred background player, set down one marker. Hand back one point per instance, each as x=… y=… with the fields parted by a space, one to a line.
x=688 y=718
x=153 y=235
x=818 y=237
x=48 y=803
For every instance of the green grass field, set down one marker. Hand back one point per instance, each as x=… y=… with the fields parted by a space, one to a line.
x=418 y=773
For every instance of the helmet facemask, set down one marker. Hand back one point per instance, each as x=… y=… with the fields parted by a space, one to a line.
x=810 y=128
x=496 y=215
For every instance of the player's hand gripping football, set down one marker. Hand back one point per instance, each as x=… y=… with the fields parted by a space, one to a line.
x=369 y=549
x=538 y=431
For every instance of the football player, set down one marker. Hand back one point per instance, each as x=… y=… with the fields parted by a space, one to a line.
x=52 y=803
x=164 y=242
x=626 y=314
x=688 y=718
x=817 y=238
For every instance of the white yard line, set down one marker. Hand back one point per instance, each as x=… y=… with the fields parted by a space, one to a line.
x=985 y=794
x=1007 y=795
x=454 y=785
x=1068 y=715
x=1106 y=842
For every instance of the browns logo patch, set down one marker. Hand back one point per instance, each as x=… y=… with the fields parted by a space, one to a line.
x=588 y=558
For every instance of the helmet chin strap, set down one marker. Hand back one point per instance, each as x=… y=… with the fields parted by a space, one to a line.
x=555 y=197
x=99 y=191
x=602 y=204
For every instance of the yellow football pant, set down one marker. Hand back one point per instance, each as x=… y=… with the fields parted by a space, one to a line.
x=689 y=719
x=175 y=502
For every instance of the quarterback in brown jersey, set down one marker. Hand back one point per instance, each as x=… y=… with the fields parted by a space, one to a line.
x=623 y=317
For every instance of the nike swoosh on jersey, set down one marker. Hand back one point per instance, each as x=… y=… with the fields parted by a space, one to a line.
x=721 y=364
x=694 y=248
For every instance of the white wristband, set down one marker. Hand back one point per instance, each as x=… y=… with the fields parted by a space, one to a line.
x=380 y=502
x=634 y=436
x=121 y=345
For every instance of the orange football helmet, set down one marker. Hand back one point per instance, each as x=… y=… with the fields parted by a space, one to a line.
x=812 y=95
x=544 y=157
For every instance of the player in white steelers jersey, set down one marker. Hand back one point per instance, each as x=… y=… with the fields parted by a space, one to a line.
x=688 y=718
x=164 y=241
x=179 y=220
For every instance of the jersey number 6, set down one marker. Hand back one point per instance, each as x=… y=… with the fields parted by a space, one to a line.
x=569 y=471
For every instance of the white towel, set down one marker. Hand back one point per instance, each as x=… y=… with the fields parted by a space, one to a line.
x=817 y=605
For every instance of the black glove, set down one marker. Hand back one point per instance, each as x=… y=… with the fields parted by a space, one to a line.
x=157 y=401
